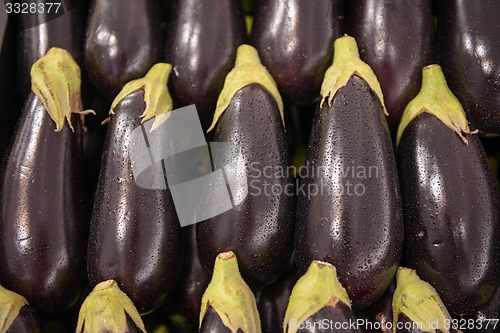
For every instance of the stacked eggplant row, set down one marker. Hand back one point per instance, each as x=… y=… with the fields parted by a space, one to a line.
x=358 y=141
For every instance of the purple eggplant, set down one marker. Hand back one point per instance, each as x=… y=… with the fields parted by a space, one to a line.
x=201 y=42
x=469 y=53
x=484 y=321
x=60 y=26
x=9 y=94
x=16 y=315
x=43 y=220
x=135 y=236
x=194 y=279
x=259 y=227
x=295 y=41
x=228 y=304
x=212 y=323
x=123 y=41
x=349 y=207
x=377 y=318
x=273 y=300
x=396 y=38
x=451 y=201
x=319 y=303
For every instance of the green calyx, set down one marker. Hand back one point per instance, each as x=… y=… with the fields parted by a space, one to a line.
x=247 y=70
x=10 y=305
x=318 y=288
x=105 y=310
x=249 y=24
x=230 y=297
x=346 y=63
x=419 y=301
x=437 y=99
x=56 y=81
x=156 y=95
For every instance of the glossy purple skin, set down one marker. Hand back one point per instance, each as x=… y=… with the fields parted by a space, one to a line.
x=340 y=313
x=34 y=39
x=354 y=222
x=259 y=227
x=212 y=323
x=122 y=42
x=396 y=38
x=9 y=94
x=379 y=312
x=27 y=321
x=201 y=42
x=481 y=318
x=273 y=301
x=469 y=52
x=135 y=236
x=194 y=279
x=452 y=217
x=43 y=223
x=295 y=42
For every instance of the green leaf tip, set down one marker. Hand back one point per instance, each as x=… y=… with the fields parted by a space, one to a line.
x=436 y=98
x=230 y=297
x=346 y=63
x=105 y=310
x=247 y=70
x=156 y=95
x=56 y=81
x=420 y=302
x=318 y=288
x=10 y=305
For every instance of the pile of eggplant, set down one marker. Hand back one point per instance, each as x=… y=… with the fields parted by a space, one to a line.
x=361 y=161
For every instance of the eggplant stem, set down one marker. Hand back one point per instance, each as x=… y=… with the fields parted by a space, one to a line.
x=247 y=70
x=156 y=95
x=56 y=81
x=106 y=309
x=230 y=296
x=10 y=306
x=436 y=98
x=346 y=63
x=419 y=301
x=318 y=288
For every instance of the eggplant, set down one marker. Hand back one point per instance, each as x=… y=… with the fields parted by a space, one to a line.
x=484 y=321
x=295 y=41
x=193 y=281
x=349 y=209
x=108 y=309
x=16 y=316
x=93 y=140
x=259 y=227
x=417 y=307
x=201 y=42
x=228 y=304
x=470 y=55
x=135 y=235
x=43 y=220
x=9 y=94
x=273 y=300
x=122 y=42
x=319 y=303
x=451 y=201
x=212 y=323
x=377 y=318
x=61 y=27
x=396 y=38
